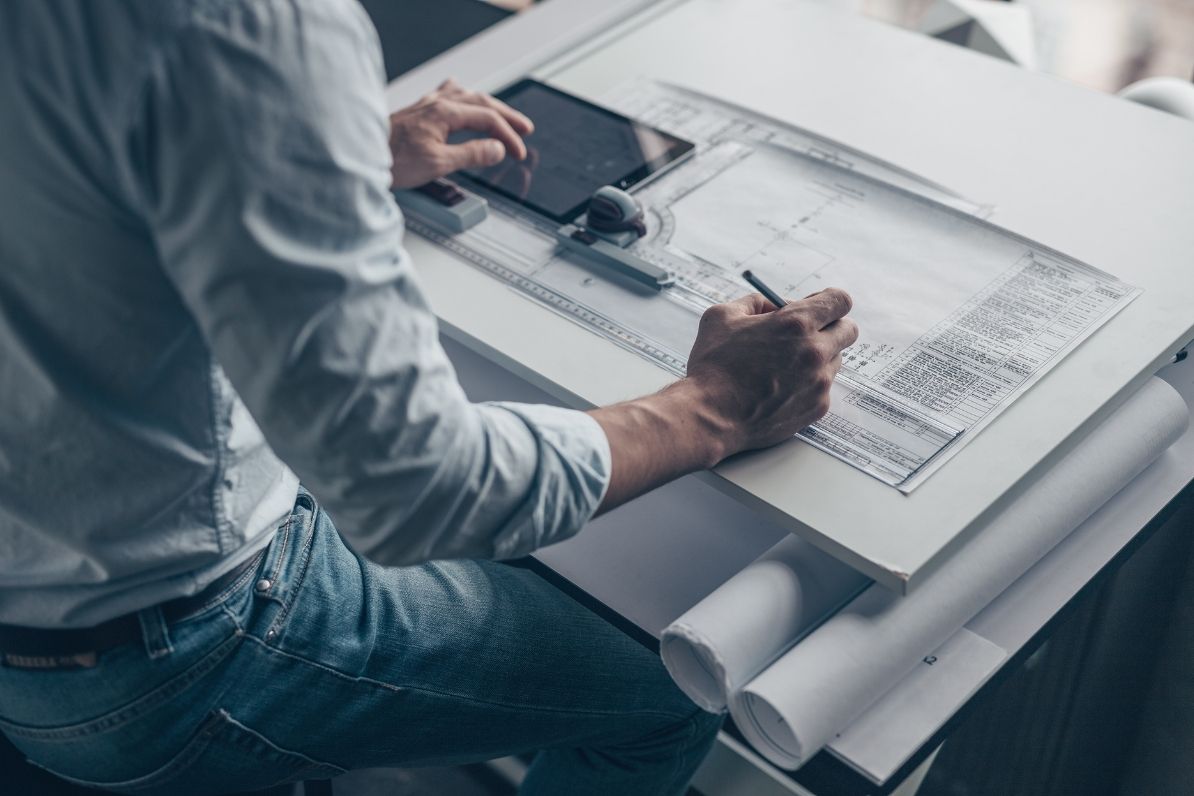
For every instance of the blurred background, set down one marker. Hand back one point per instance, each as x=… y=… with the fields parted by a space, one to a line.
x=1103 y=44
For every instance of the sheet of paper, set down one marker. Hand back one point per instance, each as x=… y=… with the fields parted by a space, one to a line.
x=797 y=704
x=958 y=317
x=709 y=122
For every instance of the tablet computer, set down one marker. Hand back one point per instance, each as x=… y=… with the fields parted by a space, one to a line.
x=576 y=148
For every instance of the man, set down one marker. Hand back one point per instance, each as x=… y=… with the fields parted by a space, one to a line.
x=203 y=301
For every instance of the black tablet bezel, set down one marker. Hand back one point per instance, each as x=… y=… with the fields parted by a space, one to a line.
x=676 y=150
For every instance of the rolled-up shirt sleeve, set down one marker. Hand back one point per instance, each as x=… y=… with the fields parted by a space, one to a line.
x=259 y=154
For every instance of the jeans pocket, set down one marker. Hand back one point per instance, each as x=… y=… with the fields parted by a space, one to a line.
x=222 y=756
x=49 y=695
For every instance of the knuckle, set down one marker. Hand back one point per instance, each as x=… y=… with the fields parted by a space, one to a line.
x=852 y=330
x=800 y=323
x=842 y=297
x=817 y=354
x=716 y=314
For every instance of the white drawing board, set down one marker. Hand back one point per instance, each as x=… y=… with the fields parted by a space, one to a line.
x=1098 y=178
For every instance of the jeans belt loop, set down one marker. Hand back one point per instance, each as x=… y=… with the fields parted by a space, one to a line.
x=155 y=631
x=275 y=552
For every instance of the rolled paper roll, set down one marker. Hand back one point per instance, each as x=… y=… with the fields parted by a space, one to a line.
x=734 y=633
x=794 y=707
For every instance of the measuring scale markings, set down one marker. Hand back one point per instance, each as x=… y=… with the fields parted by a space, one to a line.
x=569 y=308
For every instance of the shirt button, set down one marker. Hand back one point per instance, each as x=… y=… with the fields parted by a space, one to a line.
x=264 y=584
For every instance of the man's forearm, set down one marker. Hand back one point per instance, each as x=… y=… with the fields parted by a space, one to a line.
x=659 y=438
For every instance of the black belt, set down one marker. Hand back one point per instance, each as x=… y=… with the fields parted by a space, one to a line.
x=38 y=642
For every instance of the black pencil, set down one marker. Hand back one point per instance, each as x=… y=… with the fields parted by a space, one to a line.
x=767 y=292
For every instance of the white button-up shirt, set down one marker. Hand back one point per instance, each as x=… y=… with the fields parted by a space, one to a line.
x=204 y=298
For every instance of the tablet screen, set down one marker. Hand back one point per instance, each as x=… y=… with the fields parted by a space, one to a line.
x=576 y=148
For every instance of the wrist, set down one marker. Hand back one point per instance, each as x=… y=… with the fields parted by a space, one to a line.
x=691 y=406
x=660 y=437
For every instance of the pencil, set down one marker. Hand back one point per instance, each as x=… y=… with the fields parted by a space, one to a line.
x=760 y=286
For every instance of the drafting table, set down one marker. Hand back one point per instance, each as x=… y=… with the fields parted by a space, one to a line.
x=1047 y=149
x=928 y=107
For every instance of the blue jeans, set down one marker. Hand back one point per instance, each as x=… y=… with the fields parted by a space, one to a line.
x=338 y=663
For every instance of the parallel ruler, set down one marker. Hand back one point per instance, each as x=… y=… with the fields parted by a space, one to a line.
x=569 y=308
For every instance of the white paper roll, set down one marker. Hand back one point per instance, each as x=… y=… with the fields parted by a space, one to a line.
x=791 y=710
x=733 y=634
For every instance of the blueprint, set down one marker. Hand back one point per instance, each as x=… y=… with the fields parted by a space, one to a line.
x=957 y=316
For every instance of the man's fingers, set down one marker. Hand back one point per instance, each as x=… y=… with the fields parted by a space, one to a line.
x=842 y=333
x=518 y=120
x=462 y=116
x=825 y=307
x=476 y=154
x=750 y=304
x=835 y=364
x=452 y=90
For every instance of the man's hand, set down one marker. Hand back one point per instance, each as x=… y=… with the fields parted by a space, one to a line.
x=764 y=373
x=756 y=376
x=419 y=135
